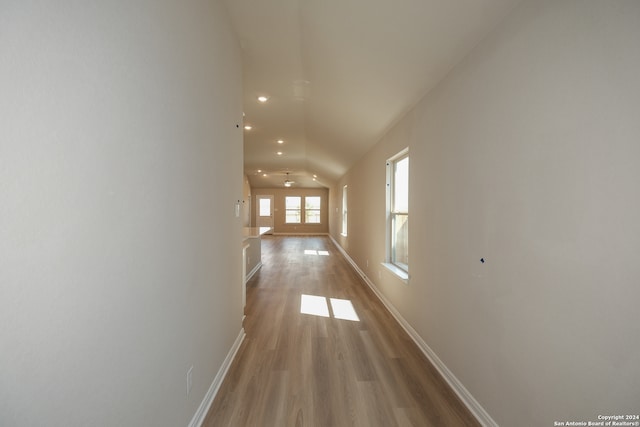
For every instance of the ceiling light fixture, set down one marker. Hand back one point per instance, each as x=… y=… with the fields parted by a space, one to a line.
x=287 y=182
x=279 y=153
x=247 y=127
x=280 y=141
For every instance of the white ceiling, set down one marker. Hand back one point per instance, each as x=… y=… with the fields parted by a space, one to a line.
x=340 y=73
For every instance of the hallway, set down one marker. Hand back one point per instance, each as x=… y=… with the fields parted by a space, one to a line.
x=322 y=351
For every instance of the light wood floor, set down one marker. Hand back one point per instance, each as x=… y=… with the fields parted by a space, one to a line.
x=296 y=369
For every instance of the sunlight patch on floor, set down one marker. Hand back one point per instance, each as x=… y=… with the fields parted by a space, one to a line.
x=343 y=309
x=317 y=306
x=314 y=305
x=314 y=252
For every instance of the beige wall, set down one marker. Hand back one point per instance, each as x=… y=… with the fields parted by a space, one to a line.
x=279 y=195
x=526 y=155
x=120 y=256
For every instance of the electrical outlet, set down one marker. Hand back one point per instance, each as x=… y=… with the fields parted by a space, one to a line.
x=189 y=380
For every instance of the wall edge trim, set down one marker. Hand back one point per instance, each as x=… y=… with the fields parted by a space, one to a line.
x=458 y=388
x=205 y=405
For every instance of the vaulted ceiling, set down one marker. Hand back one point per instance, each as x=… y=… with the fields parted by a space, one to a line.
x=339 y=73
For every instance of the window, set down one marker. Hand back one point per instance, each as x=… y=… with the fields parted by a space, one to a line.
x=294 y=212
x=293 y=207
x=344 y=210
x=265 y=206
x=398 y=212
x=312 y=210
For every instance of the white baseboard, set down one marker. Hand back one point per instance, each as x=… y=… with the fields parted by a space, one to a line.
x=252 y=272
x=203 y=409
x=467 y=399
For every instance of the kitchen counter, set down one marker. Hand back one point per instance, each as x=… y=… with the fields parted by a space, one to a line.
x=251 y=232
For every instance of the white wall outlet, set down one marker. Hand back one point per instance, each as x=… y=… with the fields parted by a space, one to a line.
x=189 y=380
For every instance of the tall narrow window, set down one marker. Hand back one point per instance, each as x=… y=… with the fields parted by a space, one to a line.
x=293 y=206
x=312 y=209
x=265 y=207
x=344 y=210
x=398 y=211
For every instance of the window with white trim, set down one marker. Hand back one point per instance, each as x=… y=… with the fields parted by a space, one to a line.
x=265 y=206
x=398 y=212
x=293 y=209
x=312 y=209
x=297 y=209
x=344 y=210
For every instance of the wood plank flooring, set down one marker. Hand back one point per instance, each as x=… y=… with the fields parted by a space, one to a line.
x=306 y=370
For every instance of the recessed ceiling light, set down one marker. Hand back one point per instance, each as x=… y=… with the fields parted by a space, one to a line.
x=247 y=127
x=280 y=141
x=263 y=98
x=259 y=170
x=264 y=174
x=279 y=153
x=315 y=176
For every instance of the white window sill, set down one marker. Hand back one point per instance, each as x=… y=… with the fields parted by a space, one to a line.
x=400 y=273
x=343 y=234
